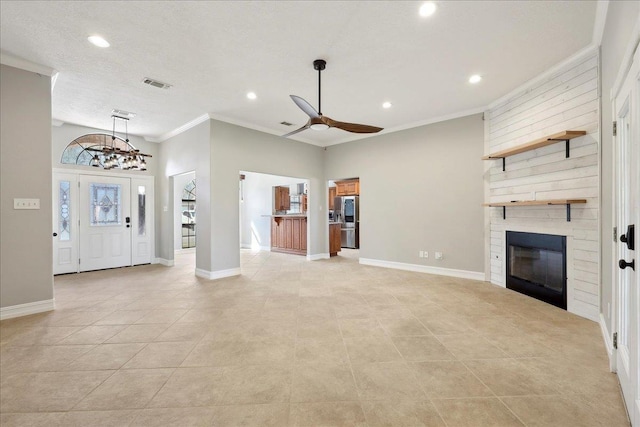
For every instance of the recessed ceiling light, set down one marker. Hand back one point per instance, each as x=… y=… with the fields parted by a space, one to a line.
x=475 y=79
x=386 y=104
x=428 y=9
x=98 y=41
x=251 y=95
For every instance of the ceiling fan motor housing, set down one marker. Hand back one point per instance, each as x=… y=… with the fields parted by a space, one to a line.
x=319 y=64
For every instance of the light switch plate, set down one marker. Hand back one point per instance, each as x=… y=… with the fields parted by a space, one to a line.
x=26 y=203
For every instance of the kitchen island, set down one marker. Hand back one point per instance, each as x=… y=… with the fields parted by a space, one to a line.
x=334 y=237
x=289 y=233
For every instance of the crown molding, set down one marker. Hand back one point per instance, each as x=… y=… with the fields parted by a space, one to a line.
x=56 y=123
x=23 y=64
x=177 y=131
x=602 y=8
x=413 y=125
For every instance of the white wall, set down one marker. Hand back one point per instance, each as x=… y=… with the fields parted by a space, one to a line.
x=186 y=152
x=567 y=99
x=235 y=149
x=26 y=248
x=420 y=189
x=255 y=227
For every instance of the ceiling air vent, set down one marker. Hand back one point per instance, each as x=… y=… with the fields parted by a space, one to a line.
x=155 y=83
x=122 y=113
x=286 y=123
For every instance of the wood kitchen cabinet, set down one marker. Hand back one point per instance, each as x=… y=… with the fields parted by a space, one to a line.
x=334 y=239
x=332 y=196
x=289 y=234
x=349 y=187
x=281 y=199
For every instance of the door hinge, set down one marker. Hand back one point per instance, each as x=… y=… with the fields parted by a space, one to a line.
x=615 y=234
x=78 y=260
x=615 y=340
x=615 y=128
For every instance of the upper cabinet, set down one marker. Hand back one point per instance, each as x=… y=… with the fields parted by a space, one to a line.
x=281 y=200
x=350 y=187
x=332 y=196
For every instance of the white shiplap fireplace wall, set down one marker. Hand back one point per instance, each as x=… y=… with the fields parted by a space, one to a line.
x=566 y=98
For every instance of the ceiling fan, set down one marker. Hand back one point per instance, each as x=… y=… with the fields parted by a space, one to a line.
x=319 y=122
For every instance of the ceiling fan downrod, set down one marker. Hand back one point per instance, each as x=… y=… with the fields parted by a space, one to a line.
x=319 y=64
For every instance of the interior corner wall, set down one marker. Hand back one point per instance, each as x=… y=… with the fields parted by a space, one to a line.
x=235 y=149
x=622 y=16
x=26 y=248
x=186 y=152
x=421 y=189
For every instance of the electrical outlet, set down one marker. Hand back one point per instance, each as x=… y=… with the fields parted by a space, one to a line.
x=426 y=254
x=26 y=203
x=438 y=255
x=421 y=254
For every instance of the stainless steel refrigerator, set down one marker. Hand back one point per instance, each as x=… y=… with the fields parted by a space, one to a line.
x=347 y=212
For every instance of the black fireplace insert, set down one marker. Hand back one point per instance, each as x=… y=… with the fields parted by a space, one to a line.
x=537 y=266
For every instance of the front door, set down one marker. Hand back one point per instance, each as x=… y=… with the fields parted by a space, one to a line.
x=627 y=113
x=105 y=222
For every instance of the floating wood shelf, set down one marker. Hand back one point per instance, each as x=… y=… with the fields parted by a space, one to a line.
x=555 y=202
x=565 y=136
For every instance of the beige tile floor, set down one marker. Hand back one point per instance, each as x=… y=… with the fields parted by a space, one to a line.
x=298 y=343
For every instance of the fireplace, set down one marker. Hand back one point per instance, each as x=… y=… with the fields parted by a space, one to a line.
x=537 y=266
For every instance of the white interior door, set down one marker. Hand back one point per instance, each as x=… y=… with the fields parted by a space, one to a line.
x=627 y=202
x=105 y=222
x=65 y=223
x=142 y=227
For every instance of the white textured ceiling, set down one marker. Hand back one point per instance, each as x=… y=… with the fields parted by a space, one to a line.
x=213 y=53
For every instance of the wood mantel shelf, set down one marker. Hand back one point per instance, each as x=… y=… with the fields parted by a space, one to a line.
x=554 y=202
x=565 y=136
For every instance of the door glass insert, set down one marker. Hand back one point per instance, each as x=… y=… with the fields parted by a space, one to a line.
x=142 y=210
x=105 y=205
x=64 y=210
x=189 y=215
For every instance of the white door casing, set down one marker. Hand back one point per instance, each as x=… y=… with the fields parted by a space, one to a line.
x=65 y=223
x=627 y=201
x=66 y=243
x=105 y=222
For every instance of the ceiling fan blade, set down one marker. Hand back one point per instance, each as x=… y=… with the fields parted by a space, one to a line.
x=305 y=127
x=351 y=127
x=305 y=106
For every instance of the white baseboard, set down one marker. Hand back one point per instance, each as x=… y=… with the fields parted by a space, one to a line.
x=316 y=257
x=185 y=251
x=27 y=309
x=463 y=274
x=607 y=342
x=165 y=262
x=219 y=274
x=262 y=248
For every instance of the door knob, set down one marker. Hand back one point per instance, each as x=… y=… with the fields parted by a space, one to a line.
x=55 y=234
x=628 y=238
x=624 y=264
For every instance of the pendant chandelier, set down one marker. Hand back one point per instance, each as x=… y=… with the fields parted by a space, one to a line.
x=111 y=157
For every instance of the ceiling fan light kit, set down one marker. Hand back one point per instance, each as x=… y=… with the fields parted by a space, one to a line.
x=319 y=122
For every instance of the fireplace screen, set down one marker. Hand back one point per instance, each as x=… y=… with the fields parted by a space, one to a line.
x=537 y=266
x=540 y=266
